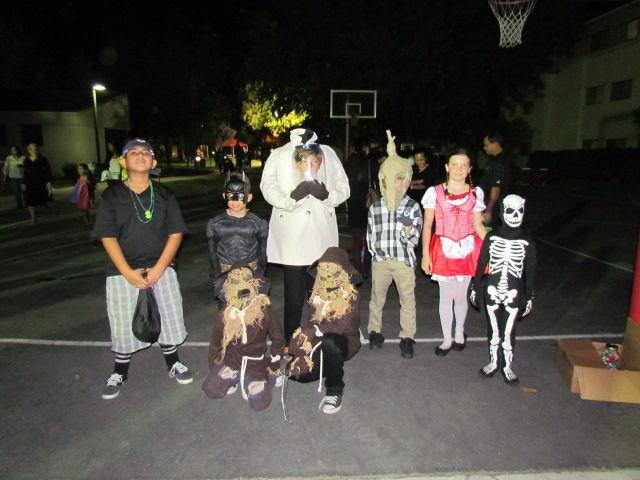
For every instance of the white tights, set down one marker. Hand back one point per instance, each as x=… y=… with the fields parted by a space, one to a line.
x=453 y=299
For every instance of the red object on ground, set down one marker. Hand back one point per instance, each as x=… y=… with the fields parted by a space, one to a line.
x=634 y=308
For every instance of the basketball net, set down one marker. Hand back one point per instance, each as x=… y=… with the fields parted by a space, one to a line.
x=511 y=15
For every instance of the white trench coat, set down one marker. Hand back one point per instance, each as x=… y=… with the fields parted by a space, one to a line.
x=300 y=232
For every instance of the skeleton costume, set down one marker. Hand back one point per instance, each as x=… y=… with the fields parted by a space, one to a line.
x=331 y=336
x=506 y=293
x=237 y=240
x=237 y=351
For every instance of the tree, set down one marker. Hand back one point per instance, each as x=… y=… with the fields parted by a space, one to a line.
x=261 y=110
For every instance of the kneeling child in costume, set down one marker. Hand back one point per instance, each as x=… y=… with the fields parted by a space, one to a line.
x=331 y=336
x=237 y=352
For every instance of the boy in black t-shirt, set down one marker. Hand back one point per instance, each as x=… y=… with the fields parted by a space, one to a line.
x=140 y=225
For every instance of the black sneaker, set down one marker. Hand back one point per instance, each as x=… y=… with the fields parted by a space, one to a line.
x=112 y=388
x=406 y=347
x=331 y=404
x=375 y=340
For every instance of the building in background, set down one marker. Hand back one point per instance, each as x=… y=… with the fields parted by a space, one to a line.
x=62 y=124
x=593 y=101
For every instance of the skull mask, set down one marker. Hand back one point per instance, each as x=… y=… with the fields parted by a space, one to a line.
x=513 y=210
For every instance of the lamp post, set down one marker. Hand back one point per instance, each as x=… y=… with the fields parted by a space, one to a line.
x=97 y=87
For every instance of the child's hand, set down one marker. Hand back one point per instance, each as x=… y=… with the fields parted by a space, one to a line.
x=154 y=274
x=426 y=264
x=136 y=278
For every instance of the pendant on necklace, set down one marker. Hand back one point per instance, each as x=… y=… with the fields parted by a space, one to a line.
x=148 y=214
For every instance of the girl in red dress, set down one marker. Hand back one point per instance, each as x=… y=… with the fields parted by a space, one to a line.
x=450 y=255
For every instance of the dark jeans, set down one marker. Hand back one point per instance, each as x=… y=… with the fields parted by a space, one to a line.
x=16 y=187
x=335 y=349
x=297 y=283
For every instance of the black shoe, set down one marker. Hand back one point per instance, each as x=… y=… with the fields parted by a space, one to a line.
x=441 y=352
x=459 y=346
x=406 y=347
x=375 y=340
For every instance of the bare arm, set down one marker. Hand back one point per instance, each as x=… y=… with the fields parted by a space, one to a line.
x=478 y=227
x=134 y=277
x=429 y=215
x=168 y=254
x=494 y=194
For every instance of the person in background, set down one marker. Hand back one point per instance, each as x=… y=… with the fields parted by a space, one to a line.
x=12 y=173
x=113 y=165
x=496 y=177
x=423 y=174
x=37 y=182
x=80 y=195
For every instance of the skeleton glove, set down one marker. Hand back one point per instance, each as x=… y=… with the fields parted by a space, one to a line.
x=527 y=307
x=473 y=295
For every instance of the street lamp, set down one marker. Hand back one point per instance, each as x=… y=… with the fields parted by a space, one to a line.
x=97 y=87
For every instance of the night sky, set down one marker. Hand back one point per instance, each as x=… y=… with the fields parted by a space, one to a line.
x=436 y=65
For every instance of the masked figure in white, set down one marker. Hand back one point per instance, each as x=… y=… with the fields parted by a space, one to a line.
x=506 y=292
x=304 y=182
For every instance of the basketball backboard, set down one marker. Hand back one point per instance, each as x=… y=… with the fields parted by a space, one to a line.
x=353 y=104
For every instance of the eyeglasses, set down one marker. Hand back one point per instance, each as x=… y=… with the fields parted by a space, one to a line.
x=140 y=153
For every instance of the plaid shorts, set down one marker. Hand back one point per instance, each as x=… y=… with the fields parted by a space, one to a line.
x=121 y=303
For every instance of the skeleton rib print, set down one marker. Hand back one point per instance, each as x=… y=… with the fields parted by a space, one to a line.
x=507 y=256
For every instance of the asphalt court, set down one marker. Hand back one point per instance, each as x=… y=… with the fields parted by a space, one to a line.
x=400 y=417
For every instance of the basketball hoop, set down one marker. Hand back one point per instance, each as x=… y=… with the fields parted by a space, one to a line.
x=511 y=15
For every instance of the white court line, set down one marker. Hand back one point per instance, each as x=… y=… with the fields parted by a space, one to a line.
x=609 y=264
x=46 y=250
x=86 y=343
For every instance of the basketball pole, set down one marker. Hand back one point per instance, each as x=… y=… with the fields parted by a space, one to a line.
x=631 y=342
x=346 y=146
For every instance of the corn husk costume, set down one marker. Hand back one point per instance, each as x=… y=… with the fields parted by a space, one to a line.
x=237 y=351
x=335 y=308
x=394 y=166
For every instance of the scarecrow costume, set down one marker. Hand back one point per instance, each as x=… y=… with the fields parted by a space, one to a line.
x=237 y=351
x=331 y=336
x=506 y=293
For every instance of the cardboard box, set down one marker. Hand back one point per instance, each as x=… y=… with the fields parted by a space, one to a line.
x=580 y=365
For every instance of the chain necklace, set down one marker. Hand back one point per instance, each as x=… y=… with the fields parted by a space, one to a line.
x=148 y=212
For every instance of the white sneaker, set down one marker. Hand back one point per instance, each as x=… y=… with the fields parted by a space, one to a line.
x=331 y=404
x=112 y=388
x=232 y=390
x=181 y=372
